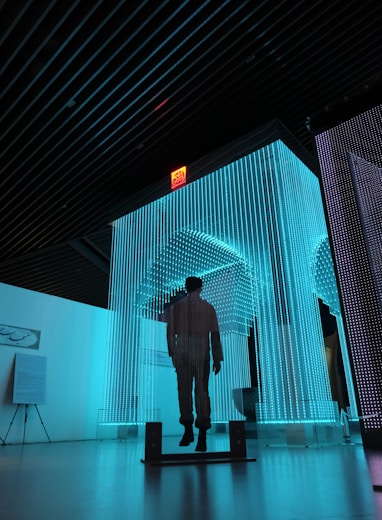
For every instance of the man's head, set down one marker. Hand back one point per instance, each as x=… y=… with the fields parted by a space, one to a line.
x=193 y=284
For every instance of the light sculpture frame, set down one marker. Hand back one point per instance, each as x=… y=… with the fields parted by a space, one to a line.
x=251 y=224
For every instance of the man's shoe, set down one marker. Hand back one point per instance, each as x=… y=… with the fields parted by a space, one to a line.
x=187 y=438
x=202 y=441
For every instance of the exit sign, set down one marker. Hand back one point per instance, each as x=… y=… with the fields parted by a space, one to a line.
x=178 y=178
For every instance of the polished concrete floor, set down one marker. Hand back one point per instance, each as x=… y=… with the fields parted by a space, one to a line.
x=106 y=480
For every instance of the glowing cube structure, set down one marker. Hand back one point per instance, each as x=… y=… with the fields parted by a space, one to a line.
x=254 y=230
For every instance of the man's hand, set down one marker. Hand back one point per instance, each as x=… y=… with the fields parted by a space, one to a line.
x=216 y=367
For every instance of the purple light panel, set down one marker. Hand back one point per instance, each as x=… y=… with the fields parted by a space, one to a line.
x=367 y=181
x=360 y=136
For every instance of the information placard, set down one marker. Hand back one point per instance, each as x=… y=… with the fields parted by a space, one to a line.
x=29 y=385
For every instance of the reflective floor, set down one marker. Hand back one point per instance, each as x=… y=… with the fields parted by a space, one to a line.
x=105 y=480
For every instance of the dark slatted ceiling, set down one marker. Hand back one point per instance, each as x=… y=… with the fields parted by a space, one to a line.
x=99 y=99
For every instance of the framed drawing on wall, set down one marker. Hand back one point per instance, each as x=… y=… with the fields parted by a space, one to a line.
x=13 y=336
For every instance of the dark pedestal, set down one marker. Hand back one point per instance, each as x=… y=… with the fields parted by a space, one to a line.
x=154 y=456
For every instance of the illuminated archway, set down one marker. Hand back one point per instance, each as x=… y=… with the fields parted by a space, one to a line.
x=252 y=227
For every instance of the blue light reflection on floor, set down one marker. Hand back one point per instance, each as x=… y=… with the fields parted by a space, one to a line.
x=98 y=480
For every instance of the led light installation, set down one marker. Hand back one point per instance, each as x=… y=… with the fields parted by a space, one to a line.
x=253 y=231
x=367 y=182
x=351 y=197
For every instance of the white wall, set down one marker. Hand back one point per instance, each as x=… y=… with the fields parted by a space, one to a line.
x=73 y=339
x=158 y=391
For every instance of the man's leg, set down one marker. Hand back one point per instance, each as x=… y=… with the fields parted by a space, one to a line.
x=331 y=348
x=202 y=403
x=185 y=377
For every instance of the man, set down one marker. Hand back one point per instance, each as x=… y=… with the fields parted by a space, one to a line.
x=330 y=332
x=192 y=326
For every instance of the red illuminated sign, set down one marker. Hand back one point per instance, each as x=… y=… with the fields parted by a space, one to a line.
x=178 y=178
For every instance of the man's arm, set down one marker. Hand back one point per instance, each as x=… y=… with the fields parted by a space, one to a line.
x=170 y=332
x=217 y=351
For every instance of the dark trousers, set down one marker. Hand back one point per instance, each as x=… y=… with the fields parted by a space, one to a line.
x=193 y=370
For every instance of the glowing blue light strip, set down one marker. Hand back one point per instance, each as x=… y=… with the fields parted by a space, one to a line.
x=248 y=232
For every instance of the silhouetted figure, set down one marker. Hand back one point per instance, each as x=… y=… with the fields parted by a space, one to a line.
x=330 y=332
x=191 y=328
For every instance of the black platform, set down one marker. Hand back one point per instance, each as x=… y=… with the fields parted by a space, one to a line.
x=155 y=457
